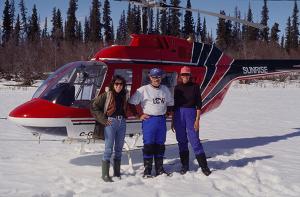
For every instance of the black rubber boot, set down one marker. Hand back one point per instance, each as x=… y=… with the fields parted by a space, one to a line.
x=117 y=168
x=105 y=171
x=159 y=169
x=148 y=167
x=203 y=164
x=184 y=158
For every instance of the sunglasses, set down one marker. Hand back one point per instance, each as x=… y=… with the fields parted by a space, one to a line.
x=118 y=84
x=185 y=74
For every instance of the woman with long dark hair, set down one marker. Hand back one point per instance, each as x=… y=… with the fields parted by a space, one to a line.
x=109 y=109
x=188 y=103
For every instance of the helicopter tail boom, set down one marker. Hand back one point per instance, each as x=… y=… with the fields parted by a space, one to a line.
x=257 y=68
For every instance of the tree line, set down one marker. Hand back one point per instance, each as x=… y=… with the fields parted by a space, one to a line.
x=28 y=50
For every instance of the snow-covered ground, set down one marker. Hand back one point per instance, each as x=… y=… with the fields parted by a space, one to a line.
x=253 y=142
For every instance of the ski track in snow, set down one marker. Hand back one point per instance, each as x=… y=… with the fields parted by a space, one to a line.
x=253 y=143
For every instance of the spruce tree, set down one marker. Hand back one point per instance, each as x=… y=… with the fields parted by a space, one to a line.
x=145 y=20
x=156 y=27
x=198 y=29
x=204 y=31
x=251 y=32
x=188 y=27
x=7 y=24
x=87 y=30
x=236 y=30
x=137 y=19
x=221 y=32
x=34 y=26
x=130 y=20
x=57 y=25
x=45 y=29
x=264 y=33
x=295 y=27
x=71 y=21
x=94 y=31
x=108 y=33
x=288 y=35
x=282 y=42
x=17 y=30
x=174 y=23
x=113 y=31
x=12 y=11
x=163 y=20
x=228 y=33
x=122 y=32
x=79 y=33
x=53 y=20
x=24 y=25
x=151 y=20
x=274 y=33
x=169 y=25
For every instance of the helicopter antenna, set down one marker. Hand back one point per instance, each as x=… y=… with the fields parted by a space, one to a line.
x=161 y=5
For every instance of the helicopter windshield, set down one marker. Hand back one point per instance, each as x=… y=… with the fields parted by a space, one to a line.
x=74 y=84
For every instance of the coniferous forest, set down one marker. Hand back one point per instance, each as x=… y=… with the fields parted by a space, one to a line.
x=28 y=50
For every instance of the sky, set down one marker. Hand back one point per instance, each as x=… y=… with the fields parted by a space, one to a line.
x=279 y=11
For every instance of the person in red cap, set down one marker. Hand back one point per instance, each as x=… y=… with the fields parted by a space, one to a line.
x=185 y=123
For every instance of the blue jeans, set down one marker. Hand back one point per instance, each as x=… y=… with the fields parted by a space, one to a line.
x=114 y=138
x=184 y=119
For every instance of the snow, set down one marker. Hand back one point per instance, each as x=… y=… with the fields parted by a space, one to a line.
x=253 y=140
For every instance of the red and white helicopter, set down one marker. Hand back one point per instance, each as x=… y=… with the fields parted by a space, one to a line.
x=60 y=106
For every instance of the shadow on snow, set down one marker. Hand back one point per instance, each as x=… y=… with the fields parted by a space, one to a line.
x=213 y=148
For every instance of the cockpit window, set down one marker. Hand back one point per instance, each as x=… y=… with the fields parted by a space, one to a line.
x=74 y=84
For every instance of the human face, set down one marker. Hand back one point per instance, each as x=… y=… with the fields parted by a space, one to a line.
x=185 y=77
x=155 y=80
x=118 y=86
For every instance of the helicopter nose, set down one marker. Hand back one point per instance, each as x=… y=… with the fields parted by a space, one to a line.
x=26 y=110
x=40 y=108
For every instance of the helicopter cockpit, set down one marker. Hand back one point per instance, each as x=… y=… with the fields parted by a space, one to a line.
x=73 y=85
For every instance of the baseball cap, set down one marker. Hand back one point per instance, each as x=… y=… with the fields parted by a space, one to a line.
x=185 y=69
x=156 y=72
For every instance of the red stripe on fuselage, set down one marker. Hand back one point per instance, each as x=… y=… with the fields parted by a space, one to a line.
x=216 y=101
x=221 y=68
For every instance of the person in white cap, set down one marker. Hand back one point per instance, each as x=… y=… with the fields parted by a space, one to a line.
x=154 y=99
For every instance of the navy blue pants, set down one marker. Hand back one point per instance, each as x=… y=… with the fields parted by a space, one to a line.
x=154 y=136
x=184 y=119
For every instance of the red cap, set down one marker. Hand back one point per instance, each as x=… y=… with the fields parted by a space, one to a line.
x=185 y=69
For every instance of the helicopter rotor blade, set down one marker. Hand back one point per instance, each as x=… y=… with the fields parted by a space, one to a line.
x=161 y=5
x=245 y=22
x=143 y=3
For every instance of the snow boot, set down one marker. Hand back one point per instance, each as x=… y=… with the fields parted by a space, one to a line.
x=148 y=167
x=105 y=171
x=159 y=169
x=203 y=164
x=184 y=158
x=117 y=168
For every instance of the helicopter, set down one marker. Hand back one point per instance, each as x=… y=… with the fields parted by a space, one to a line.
x=60 y=106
